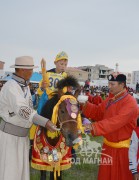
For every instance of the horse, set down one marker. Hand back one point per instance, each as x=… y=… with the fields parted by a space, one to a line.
x=53 y=150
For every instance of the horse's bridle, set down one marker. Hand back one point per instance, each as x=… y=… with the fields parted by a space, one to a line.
x=72 y=109
x=64 y=122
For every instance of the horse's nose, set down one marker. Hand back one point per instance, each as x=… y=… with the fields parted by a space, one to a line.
x=69 y=136
x=72 y=137
x=69 y=140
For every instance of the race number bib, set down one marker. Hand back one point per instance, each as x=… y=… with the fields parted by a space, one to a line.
x=53 y=80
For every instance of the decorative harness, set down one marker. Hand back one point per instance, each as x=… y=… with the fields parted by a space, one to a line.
x=72 y=108
x=44 y=155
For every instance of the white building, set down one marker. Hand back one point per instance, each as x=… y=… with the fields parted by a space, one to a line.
x=97 y=72
x=1 y=74
x=135 y=77
x=1 y=69
x=128 y=77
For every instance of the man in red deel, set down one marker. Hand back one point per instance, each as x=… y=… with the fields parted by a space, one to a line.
x=115 y=120
x=97 y=98
x=87 y=93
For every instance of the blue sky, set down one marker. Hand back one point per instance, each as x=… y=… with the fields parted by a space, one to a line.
x=90 y=31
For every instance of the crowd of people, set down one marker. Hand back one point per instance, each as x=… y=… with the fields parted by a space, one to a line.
x=112 y=109
x=96 y=94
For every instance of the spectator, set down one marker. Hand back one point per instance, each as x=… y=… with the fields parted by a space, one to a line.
x=97 y=98
x=134 y=153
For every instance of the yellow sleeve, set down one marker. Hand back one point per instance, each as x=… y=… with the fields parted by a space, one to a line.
x=39 y=91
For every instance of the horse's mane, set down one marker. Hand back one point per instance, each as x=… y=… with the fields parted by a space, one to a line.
x=47 y=110
x=68 y=81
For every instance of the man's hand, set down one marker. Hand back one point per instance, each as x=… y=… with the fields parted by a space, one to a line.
x=136 y=176
x=88 y=127
x=44 y=85
x=82 y=106
x=50 y=126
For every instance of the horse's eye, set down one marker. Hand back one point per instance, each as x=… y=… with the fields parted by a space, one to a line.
x=62 y=111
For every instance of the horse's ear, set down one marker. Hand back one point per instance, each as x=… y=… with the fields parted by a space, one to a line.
x=77 y=92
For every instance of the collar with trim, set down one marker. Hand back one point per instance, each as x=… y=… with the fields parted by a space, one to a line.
x=21 y=81
x=118 y=95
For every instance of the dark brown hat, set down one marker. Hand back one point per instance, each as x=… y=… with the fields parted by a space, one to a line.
x=117 y=77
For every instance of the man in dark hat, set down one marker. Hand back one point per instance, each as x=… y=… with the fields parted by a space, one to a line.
x=115 y=120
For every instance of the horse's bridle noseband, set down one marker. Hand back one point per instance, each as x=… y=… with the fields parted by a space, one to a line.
x=61 y=123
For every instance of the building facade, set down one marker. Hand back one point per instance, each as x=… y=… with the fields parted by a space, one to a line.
x=97 y=72
x=1 y=72
x=135 y=77
x=81 y=75
x=128 y=77
x=2 y=65
x=1 y=69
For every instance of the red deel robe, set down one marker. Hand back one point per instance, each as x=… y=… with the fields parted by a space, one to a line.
x=97 y=100
x=115 y=123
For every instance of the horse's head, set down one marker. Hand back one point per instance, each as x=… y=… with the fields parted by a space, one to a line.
x=68 y=119
x=68 y=114
x=63 y=110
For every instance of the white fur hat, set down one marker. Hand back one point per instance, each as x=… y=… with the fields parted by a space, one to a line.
x=24 y=62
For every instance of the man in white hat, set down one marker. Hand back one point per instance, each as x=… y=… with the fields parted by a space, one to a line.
x=16 y=111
